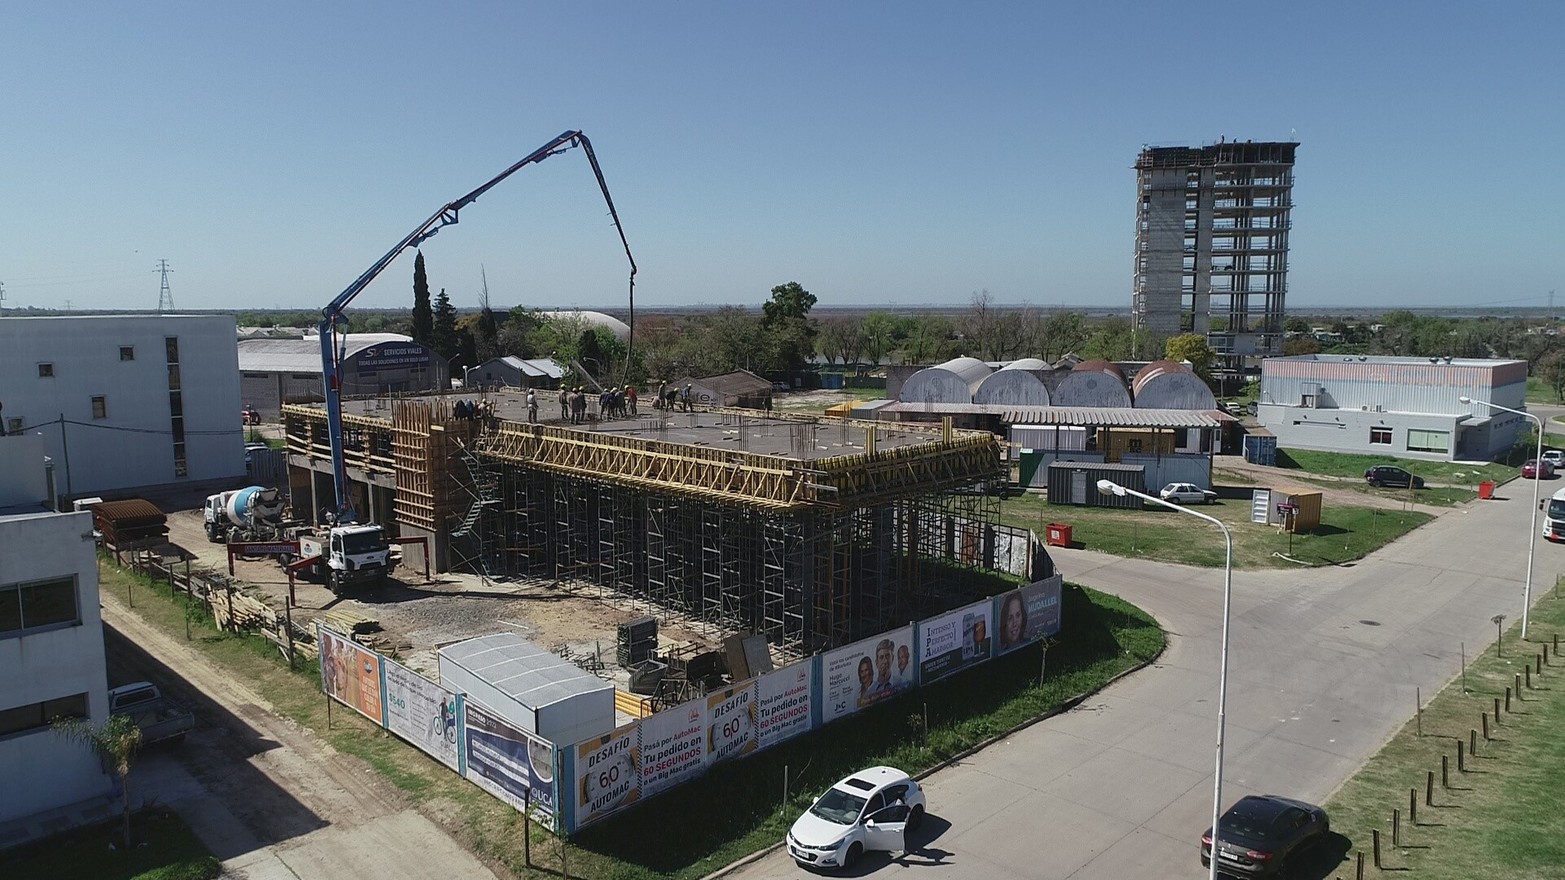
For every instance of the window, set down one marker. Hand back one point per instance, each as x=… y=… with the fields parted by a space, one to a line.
x=46 y=371
x=176 y=407
x=36 y=716
x=41 y=605
x=1380 y=436
x=100 y=407
x=14 y=425
x=1419 y=440
x=127 y=352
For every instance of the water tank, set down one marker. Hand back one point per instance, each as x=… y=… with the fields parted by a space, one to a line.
x=1093 y=383
x=955 y=381
x=1015 y=384
x=1171 y=385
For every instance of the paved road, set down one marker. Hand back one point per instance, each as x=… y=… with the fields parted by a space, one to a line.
x=1323 y=668
x=268 y=798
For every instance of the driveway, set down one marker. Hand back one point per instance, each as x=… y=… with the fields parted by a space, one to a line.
x=1323 y=669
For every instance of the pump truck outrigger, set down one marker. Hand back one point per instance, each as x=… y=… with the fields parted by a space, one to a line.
x=343 y=539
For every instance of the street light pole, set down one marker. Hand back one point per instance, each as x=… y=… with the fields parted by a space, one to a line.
x=1532 y=534
x=1109 y=487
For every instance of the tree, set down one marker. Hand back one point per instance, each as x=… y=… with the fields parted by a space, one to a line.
x=1111 y=340
x=443 y=338
x=790 y=333
x=879 y=336
x=1192 y=347
x=1300 y=345
x=116 y=741
x=1296 y=325
x=1061 y=334
x=991 y=333
x=789 y=302
x=486 y=330
x=423 y=317
x=1551 y=369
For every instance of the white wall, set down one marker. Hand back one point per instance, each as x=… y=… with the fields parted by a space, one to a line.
x=133 y=445
x=41 y=770
x=22 y=476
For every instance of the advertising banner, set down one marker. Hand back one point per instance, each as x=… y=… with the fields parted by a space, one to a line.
x=350 y=674
x=421 y=712
x=730 y=722
x=867 y=672
x=508 y=762
x=1026 y=615
x=673 y=746
x=954 y=640
x=608 y=774
x=782 y=704
x=406 y=354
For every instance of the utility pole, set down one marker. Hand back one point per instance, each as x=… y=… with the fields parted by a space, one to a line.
x=2 y=297
x=165 y=296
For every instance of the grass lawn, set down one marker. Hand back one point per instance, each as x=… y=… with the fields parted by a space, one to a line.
x=1352 y=467
x=165 y=850
x=1501 y=819
x=726 y=814
x=1159 y=534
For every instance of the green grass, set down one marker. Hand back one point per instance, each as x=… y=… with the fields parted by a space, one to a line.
x=1501 y=819
x=724 y=815
x=1352 y=467
x=165 y=849
x=1161 y=535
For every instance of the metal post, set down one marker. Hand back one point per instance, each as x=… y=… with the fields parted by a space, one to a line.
x=1461 y=759
x=1412 y=806
x=1418 y=708
x=1429 y=789
x=1532 y=533
x=527 y=828
x=1464 y=667
x=1445 y=771
x=1396 y=827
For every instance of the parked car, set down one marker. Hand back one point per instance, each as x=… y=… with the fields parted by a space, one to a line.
x=1260 y=833
x=1538 y=469
x=1555 y=457
x=158 y=718
x=1186 y=493
x=869 y=811
x=251 y=448
x=1391 y=475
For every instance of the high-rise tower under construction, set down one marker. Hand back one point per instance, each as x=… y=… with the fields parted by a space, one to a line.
x=1212 y=244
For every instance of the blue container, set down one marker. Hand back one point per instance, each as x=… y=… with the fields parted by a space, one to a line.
x=831 y=380
x=1260 y=450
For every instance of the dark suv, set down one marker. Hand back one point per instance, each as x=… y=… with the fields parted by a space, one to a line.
x=1391 y=475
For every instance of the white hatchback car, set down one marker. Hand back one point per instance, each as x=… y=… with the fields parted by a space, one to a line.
x=1186 y=493
x=870 y=811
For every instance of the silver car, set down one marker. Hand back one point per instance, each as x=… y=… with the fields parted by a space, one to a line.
x=1186 y=493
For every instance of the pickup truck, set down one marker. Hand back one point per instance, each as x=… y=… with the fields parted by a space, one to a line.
x=159 y=719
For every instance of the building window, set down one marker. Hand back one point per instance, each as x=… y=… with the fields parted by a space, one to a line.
x=46 y=371
x=37 y=716
x=1380 y=436
x=14 y=425
x=176 y=407
x=127 y=352
x=37 y=606
x=1419 y=440
x=100 y=407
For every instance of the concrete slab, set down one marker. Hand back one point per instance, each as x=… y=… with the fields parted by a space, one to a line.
x=1125 y=785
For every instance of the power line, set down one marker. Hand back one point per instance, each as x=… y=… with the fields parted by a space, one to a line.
x=165 y=296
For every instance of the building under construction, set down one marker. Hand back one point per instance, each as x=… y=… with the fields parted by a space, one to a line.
x=1212 y=239
x=814 y=531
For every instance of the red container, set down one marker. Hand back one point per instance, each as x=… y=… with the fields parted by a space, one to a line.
x=1057 y=535
x=1486 y=489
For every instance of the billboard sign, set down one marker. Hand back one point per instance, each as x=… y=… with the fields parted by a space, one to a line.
x=867 y=672
x=421 y=712
x=730 y=722
x=608 y=774
x=350 y=674
x=673 y=746
x=1026 y=615
x=782 y=703
x=392 y=354
x=954 y=640
x=508 y=762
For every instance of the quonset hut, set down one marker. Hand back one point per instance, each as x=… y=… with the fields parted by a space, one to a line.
x=1095 y=384
x=955 y=381
x=1018 y=383
x=1171 y=385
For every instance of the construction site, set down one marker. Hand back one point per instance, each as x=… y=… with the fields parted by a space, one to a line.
x=811 y=531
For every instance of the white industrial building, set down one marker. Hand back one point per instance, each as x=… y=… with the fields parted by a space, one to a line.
x=51 y=641
x=276 y=371
x=1397 y=406
x=126 y=404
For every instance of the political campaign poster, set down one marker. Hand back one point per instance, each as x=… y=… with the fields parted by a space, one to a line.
x=508 y=762
x=782 y=703
x=673 y=746
x=350 y=674
x=730 y=722
x=421 y=712
x=954 y=640
x=608 y=775
x=1026 y=615
x=866 y=672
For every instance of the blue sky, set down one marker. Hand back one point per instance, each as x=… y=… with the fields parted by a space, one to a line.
x=878 y=153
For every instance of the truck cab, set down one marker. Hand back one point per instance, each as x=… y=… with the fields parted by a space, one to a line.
x=349 y=554
x=1554 y=516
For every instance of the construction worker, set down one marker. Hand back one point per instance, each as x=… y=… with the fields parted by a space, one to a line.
x=687 y=396
x=630 y=398
x=662 y=394
x=565 y=403
x=532 y=406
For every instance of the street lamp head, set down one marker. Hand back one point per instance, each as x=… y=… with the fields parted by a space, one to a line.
x=1109 y=487
x=1465 y=399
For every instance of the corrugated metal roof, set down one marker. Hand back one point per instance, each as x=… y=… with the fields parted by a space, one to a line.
x=302 y=355
x=1095 y=416
x=524 y=671
x=536 y=368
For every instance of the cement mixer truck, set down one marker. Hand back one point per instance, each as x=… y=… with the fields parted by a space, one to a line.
x=253 y=513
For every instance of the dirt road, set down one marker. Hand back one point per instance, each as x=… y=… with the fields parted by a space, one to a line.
x=269 y=798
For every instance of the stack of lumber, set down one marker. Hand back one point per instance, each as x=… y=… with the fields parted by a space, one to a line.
x=351 y=623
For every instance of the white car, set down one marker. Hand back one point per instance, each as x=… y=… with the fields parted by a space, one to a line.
x=869 y=811
x=1555 y=457
x=1186 y=493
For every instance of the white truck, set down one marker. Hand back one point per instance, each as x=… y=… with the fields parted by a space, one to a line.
x=345 y=555
x=159 y=719
x=1554 y=516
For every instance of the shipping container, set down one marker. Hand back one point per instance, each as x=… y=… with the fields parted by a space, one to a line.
x=1076 y=482
x=1260 y=450
x=533 y=689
